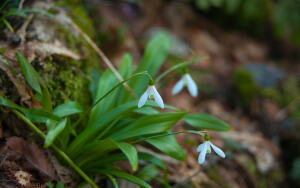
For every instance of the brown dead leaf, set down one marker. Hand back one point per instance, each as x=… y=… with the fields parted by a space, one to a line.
x=33 y=154
x=65 y=174
x=47 y=49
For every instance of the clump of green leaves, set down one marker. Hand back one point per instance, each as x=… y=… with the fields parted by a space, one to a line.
x=92 y=140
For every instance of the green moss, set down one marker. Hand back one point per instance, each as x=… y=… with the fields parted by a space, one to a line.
x=245 y=86
x=67 y=78
x=79 y=15
x=2 y=50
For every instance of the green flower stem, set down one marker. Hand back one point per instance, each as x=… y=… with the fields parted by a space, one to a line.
x=202 y=133
x=166 y=81
x=103 y=57
x=116 y=86
x=178 y=66
x=106 y=94
x=59 y=151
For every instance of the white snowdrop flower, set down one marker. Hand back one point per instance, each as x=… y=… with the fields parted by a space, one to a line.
x=205 y=148
x=151 y=93
x=186 y=80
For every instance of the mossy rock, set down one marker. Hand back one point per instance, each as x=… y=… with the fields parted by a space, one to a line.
x=66 y=78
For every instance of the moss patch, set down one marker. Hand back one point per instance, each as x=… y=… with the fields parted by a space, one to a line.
x=67 y=78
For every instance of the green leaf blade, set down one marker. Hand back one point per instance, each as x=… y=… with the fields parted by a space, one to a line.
x=205 y=121
x=146 y=125
x=68 y=109
x=53 y=132
x=156 y=52
x=169 y=146
x=126 y=176
x=130 y=153
x=29 y=73
x=9 y=103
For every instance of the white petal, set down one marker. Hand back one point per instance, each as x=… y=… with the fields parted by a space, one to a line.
x=202 y=155
x=200 y=147
x=217 y=150
x=158 y=98
x=191 y=85
x=143 y=99
x=178 y=86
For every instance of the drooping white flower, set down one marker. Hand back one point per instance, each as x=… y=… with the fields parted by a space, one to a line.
x=186 y=80
x=205 y=147
x=151 y=93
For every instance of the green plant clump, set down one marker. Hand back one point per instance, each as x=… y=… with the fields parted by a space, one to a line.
x=92 y=139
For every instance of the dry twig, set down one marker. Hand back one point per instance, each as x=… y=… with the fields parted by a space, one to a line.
x=103 y=57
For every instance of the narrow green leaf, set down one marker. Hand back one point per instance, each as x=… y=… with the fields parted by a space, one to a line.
x=9 y=103
x=65 y=135
x=130 y=153
x=94 y=82
x=179 y=66
x=205 y=121
x=126 y=176
x=36 y=10
x=50 y=185
x=59 y=185
x=156 y=161
x=46 y=99
x=150 y=124
x=40 y=115
x=146 y=111
x=15 y=12
x=67 y=109
x=106 y=83
x=125 y=70
x=153 y=104
x=169 y=146
x=53 y=131
x=29 y=73
x=116 y=87
x=156 y=52
x=35 y=115
x=96 y=164
x=8 y=25
x=94 y=150
x=4 y=3
x=148 y=172
x=113 y=180
x=100 y=106
x=97 y=124
x=152 y=159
